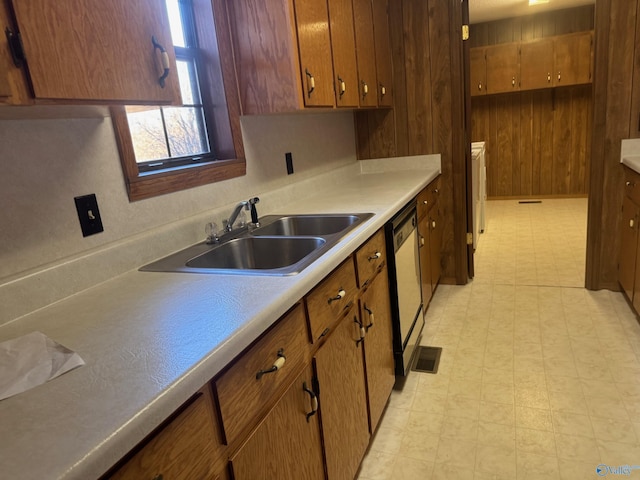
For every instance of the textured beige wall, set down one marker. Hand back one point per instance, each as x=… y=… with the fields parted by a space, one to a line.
x=46 y=163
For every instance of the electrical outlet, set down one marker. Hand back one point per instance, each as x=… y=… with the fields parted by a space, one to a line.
x=88 y=214
x=289 y=160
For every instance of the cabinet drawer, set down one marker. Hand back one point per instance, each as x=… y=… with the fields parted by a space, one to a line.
x=332 y=297
x=370 y=257
x=632 y=185
x=245 y=389
x=187 y=447
x=428 y=197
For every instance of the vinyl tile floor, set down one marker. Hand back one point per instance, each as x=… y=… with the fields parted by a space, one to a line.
x=539 y=378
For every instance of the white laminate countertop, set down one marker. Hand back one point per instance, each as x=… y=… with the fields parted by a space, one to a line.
x=150 y=340
x=630 y=154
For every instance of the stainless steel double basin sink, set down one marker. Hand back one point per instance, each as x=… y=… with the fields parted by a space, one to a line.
x=282 y=245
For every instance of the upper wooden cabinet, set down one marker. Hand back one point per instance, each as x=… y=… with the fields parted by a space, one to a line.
x=478 y=66
x=536 y=64
x=384 y=68
x=90 y=52
x=503 y=68
x=543 y=63
x=572 y=59
x=297 y=54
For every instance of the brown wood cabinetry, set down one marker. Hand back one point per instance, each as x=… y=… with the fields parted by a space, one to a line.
x=628 y=272
x=343 y=46
x=343 y=403
x=287 y=442
x=330 y=299
x=536 y=64
x=503 y=68
x=74 y=55
x=261 y=372
x=309 y=415
x=530 y=65
x=375 y=312
x=478 y=71
x=297 y=54
x=573 y=59
x=187 y=447
x=384 y=68
x=430 y=237
x=365 y=48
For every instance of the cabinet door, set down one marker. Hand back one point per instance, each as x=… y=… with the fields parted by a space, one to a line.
x=378 y=347
x=536 y=64
x=478 y=67
x=573 y=59
x=503 y=69
x=435 y=245
x=287 y=443
x=314 y=44
x=96 y=50
x=384 y=67
x=628 y=246
x=188 y=447
x=365 y=50
x=343 y=46
x=425 y=260
x=343 y=403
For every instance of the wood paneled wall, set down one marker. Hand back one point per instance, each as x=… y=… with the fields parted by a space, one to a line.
x=538 y=142
x=428 y=114
x=530 y=27
x=617 y=62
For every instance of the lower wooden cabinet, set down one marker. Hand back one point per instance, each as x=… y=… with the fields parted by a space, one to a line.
x=343 y=403
x=628 y=261
x=188 y=447
x=287 y=443
x=375 y=311
x=430 y=238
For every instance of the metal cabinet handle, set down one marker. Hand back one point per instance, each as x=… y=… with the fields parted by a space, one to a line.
x=341 y=294
x=436 y=191
x=375 y=256
x=383 y=90
x=513 y=81
x=314 y=401
x=632 y=223
x=365 y=89
x=433 y=224
x=277 y=365
x=342 y=85
x=164 y=57
x=311 y=82
x=363 y=332
x=559 y=76
x=421 y=241
x=548 y=77
x=480 y=86
x=370 y=312
x=426 y=202
x=630 y=184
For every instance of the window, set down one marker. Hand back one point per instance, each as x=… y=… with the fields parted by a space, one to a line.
x=169 y=148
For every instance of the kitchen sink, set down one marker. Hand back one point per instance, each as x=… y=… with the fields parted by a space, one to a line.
x=283 y=245
x=296 y=225
x=257 y=253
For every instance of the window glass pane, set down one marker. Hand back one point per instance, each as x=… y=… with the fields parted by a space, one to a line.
x=175 y=22
x=185 y=129
x=147 y=133
x=188 y=82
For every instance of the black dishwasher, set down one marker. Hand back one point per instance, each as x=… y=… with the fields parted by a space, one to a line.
x=404 y=284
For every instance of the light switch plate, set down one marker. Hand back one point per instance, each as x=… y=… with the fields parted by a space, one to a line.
x=88 y=214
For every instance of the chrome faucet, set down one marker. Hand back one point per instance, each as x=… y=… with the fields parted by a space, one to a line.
x=228 y=224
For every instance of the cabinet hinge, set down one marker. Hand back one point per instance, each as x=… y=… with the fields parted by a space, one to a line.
x=15 y=46
x=465 y=32
x=469 y=238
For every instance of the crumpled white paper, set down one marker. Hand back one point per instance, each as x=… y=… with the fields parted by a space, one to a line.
x=32 y=360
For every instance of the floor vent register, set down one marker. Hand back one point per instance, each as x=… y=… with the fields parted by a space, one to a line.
x=427 y=359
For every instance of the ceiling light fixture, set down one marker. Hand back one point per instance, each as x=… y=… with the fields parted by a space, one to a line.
x=537 y=2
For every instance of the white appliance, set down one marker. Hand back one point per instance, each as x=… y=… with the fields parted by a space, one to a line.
x=478 y=190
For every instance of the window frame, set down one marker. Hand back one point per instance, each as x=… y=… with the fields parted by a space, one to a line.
x=221 y=100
